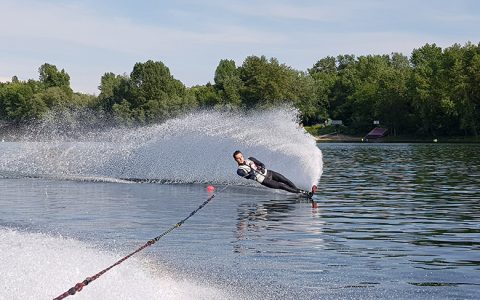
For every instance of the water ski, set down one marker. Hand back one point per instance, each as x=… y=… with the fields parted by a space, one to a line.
x=309 y=195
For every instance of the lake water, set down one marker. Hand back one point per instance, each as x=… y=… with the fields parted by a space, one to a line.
x=394 y=221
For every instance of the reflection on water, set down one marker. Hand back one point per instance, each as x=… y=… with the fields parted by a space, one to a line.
x=271 y=215
x=420 y=195
x=394 y=221
x=405 y=213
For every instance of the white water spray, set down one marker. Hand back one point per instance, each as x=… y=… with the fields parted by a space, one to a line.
x=39 y=266
x=197 y=147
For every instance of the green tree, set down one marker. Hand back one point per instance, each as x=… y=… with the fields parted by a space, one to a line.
x=433 y=107
x=207 y=96
x=393 y=106
x=266 y=83
x=228 y=83
x=156 y=92
x=462 y=66
x=471 y=120
x=55 y=97
x=326 y=65
x=123 y=113
x=308 y=100
x=371 y=72
x=84 y=100
x=18 y=104
x=325 y=75
x=113 y=90
x=340 y=106
x=51 y=77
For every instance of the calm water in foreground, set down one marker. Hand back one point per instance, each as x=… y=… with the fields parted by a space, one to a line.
x=394 y=221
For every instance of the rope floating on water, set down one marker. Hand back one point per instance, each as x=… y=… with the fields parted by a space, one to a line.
x=79 y=286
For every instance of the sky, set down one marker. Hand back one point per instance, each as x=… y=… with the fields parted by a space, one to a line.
x=90 y=37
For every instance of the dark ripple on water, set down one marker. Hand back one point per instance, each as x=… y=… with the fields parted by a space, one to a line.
x=420 y=203
x=394 y=221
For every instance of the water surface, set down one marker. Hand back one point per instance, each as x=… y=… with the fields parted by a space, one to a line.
x=394 y=221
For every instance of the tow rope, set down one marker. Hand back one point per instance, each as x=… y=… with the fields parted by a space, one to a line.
x=79 y=286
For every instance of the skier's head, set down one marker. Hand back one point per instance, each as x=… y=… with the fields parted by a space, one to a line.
x=238 y=156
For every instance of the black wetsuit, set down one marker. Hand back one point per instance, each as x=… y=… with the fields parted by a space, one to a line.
x=270 y=178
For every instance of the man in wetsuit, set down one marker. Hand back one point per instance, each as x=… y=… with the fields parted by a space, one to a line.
x=253 y=169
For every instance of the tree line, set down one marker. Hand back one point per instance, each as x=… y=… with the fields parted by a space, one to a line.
x=435 y=92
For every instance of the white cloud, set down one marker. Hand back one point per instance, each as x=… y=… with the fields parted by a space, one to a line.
x=80 y=26
x=380 y=42
x=86 y=43
x=288 y=11
x=285 y=9
x=456 y=18
x=308 y=51
x=45 y=32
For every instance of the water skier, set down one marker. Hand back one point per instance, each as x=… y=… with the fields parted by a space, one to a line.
x=254 y=169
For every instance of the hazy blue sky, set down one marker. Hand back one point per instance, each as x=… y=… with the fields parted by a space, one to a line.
x=89 y=38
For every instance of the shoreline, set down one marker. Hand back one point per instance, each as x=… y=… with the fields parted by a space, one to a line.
x=342 y=138
x=10 y=134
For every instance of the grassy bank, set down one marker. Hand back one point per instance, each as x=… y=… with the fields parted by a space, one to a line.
x=331 y=134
